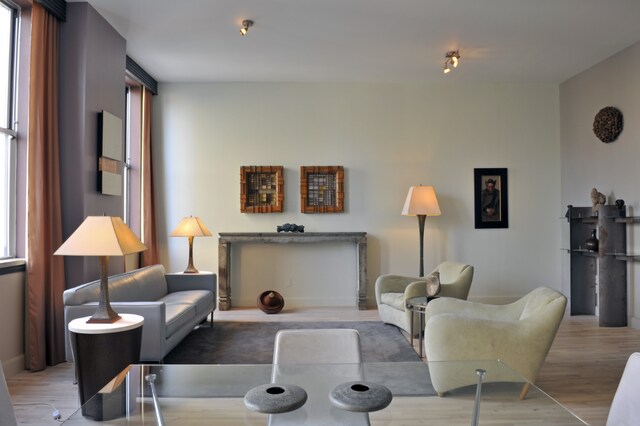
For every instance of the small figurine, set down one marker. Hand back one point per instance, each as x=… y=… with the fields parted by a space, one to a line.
x=290 y=227
x=597 y=198
x=620 y=204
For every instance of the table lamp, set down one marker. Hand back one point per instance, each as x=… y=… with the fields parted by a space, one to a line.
x=191 y=227
x=102 y=236
x=422 y=202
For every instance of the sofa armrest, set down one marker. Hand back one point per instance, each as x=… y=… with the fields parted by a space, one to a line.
x=415 y=289
x=199 y=281
x=391 y=284
x=153 y=331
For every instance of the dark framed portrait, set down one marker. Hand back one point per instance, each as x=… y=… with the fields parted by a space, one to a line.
x=491 y=198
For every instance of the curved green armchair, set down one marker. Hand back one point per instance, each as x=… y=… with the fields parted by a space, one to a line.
x=519 y=334
x=392 y=291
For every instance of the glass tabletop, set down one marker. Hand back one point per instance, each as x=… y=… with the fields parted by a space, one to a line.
x=419 y=303
x=422 y=393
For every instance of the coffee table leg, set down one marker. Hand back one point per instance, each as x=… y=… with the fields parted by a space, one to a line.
x=420 y=317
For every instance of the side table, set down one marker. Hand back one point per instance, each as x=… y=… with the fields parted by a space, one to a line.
x=100 y=352
x=197 y=280
x=417 y=305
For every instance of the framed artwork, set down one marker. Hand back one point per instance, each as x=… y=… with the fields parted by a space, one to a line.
x=111 y=151
x=261 y=189
x=491 y=198
x=321 y=189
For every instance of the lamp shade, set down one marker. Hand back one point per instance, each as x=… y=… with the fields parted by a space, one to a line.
x=421 y=200
x=101 y=236
x=191 y=227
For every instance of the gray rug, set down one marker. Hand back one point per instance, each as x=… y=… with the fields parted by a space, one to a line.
x=231 y=342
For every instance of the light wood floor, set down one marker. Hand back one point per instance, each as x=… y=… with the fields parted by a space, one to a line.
x=582 y=370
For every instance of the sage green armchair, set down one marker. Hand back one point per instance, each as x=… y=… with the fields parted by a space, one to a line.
x=392 y=291
x=519 y=334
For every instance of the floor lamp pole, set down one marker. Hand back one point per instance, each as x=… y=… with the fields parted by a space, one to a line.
x=421 y=220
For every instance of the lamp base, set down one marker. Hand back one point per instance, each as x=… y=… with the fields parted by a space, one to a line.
x=190 y=270
x=110 y=320
x=104 y=314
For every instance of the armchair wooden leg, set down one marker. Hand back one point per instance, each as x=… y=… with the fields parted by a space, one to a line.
x=524 y=391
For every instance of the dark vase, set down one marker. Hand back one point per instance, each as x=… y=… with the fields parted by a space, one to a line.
x=592 y=241
x=270 y=302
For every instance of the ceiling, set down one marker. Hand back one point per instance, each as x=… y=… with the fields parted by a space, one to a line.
x=371 y=40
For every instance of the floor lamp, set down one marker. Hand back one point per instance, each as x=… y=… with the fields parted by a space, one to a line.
x=422 y=202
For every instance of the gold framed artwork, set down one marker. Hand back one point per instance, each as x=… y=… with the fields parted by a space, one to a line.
x=321 y=189
x=261 y=189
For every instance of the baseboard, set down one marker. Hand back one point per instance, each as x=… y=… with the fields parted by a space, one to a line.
x=635 y=323
x=301 y=302
x=13 y=366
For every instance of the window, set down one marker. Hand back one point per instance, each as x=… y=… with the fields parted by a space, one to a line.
x=131 y=172
x=8 y=41
x=126 y=195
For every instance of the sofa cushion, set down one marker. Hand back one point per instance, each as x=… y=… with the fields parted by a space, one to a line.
x=142 y=285
x=150 y=284
x=201 y=299
x=178 y=315
x=393 y=299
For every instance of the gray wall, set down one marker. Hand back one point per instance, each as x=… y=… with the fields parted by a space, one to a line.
x=611 y=168
x=92 y=73
x=12 y=320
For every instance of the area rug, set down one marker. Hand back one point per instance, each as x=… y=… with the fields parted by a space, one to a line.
x=234 y=342
x=231 y=342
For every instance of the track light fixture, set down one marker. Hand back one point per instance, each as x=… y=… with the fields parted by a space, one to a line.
x=246 y=24
x=452 y=58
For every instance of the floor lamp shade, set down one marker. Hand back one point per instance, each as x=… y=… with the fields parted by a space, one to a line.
x=102 y=236
x=422 y=202
x=191 y=227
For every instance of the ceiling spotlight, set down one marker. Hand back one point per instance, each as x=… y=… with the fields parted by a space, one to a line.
x=452 y=58
x=246 y=24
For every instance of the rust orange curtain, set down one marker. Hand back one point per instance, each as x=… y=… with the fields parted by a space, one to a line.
x=45 y=273
x=149 y=222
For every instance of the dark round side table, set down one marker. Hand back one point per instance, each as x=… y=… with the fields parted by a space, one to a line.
x=100 y=352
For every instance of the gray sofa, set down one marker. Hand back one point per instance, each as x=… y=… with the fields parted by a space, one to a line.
x=171 y=304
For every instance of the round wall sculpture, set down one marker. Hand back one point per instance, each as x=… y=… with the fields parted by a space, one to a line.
x=607 y=124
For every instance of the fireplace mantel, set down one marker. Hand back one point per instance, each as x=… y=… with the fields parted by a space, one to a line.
x=228 y=238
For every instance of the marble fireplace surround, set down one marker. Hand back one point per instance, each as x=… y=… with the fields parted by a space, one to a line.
x=228 y=238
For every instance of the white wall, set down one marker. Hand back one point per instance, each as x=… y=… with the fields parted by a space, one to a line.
x=12 y=319
x=388 y=137
x=611 y=168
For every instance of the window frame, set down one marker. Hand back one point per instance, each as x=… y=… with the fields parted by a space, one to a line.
x=11 y=134
x=126 y=195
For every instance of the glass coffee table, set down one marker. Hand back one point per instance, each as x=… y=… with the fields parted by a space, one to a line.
x=214 y=394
